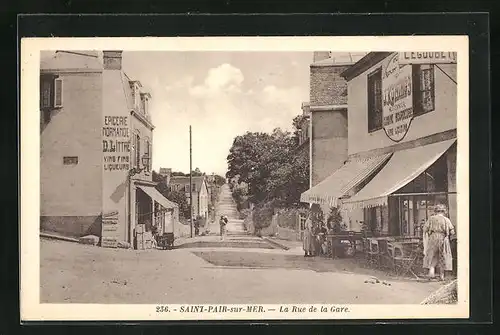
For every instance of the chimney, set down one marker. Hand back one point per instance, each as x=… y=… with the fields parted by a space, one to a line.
x=112 y=60
x=321 y=55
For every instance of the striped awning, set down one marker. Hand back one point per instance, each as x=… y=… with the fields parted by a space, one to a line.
x=403 y=167
x=158 y=197
x=348 y=176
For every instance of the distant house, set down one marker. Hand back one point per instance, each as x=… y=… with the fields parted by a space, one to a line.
x=200 y=192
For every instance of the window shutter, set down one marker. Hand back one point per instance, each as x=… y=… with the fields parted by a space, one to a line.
x=58 y=93
x=45 y=93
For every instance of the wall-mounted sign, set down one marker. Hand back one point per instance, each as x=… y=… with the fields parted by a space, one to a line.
x=116 y=143
x=427 y=57
x=110 y=234
x=397 y=98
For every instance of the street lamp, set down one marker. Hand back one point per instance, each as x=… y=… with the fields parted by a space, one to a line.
x=145 y=163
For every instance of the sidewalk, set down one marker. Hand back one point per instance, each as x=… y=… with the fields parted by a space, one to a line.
x=285 y=244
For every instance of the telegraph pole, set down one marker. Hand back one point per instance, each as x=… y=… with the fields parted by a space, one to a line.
x=190 y=182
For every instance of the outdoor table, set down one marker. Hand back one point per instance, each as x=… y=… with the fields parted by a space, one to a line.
x=335 y=241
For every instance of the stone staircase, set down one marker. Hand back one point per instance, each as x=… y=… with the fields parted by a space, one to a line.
x=227 y=207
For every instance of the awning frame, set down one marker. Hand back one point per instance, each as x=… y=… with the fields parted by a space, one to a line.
x=440 y=148
x=373 y=163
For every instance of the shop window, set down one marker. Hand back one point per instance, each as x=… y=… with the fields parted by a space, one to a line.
x=423 y=89
x=375 y=101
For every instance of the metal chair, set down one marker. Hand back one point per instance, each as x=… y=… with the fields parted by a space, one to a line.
x=404 y=259
x=373 y=252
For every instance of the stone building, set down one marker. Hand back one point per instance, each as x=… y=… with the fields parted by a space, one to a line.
x=327 y=109
x=402 y=112
x=96 y=150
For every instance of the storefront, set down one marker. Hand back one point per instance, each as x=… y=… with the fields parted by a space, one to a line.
x=154 y=214
x=402 y=145
x=398 y=200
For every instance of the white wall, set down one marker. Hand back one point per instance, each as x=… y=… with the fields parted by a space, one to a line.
x=443 y=118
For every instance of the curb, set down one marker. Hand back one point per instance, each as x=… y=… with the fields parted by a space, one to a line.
x=277 y=244
x=58 y=237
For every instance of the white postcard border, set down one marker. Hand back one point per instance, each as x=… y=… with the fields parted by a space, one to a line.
x=33 y=310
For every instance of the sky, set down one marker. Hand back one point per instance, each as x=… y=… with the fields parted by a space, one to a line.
x=221 y=95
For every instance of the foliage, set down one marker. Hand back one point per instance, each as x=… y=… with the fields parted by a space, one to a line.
x=219 y=180
x=270 y=166
x=175 y=196
x=200 y=221
x=240 y=195
x=197 y=173
x=244 y=213
x=297 y=126
x=262 y=214
x=334 y=220
x=317 y=216
x=288 y=218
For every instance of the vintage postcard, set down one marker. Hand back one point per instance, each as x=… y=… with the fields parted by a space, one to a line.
x=244 y=178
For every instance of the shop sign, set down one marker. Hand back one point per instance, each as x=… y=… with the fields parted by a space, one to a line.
x=397 y=98
x=116 y=143
x=427 y=57
x=109 y=235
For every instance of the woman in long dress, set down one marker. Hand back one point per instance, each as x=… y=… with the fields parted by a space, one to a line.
x=437 y=250
x=308 y=243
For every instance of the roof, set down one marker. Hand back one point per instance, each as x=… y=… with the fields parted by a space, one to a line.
x=364 y=64
x=340 y=58
x=184 y=180
x=72 y=61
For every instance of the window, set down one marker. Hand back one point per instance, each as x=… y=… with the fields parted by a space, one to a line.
x=51 y=92
x=137 y=151
x=186 y=188
x=302 y=220
x=143 y=105
x=147 y=152
x=70 y=160
x=375 y=101
x=424 y=95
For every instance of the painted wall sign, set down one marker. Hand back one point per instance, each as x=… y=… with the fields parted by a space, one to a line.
x=116 y=143
x=110 y=234
x=427 y=57
x=397 y=98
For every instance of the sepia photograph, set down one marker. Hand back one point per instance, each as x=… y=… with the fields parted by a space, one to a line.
x=313 y=182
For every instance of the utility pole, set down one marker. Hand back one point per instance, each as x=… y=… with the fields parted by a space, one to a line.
x=190 y=182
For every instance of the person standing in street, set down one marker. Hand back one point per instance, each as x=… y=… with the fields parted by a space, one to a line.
x=308 y=242
x=437 y=232
x=222 y=222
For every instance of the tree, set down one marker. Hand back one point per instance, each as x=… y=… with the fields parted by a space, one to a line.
x=175 y=196
x=270 y=166
x=219 y=180
x=197 y=173
x=180 y=199
x=255 y=157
